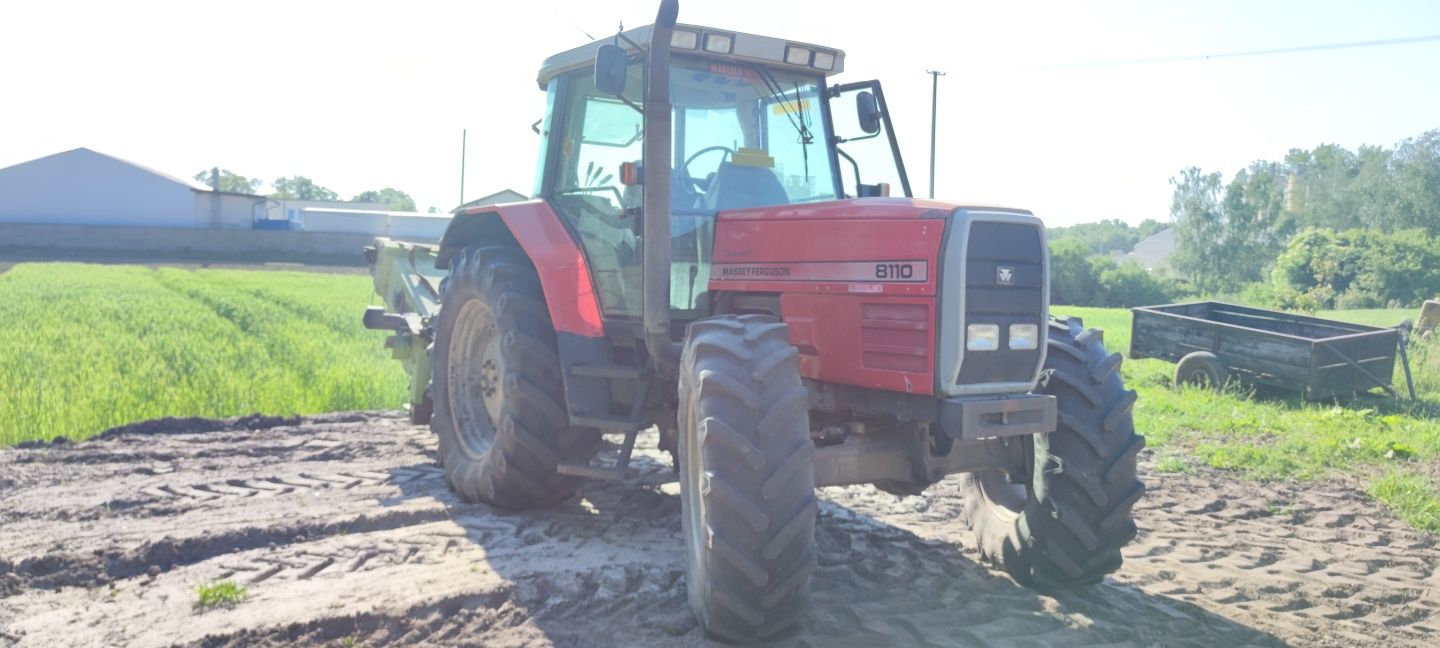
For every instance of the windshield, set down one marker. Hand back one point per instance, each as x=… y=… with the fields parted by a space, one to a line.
x=747 y=136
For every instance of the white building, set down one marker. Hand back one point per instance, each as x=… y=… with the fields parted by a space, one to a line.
x=85 y=187
x=294 y=209
x=1153 y=253
x=404 y=226
x=498 y=198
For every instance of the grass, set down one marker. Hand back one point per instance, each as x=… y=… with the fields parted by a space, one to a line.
x=1393 y=446
x=89 y=347
x=219 y=594
x=1411 y=496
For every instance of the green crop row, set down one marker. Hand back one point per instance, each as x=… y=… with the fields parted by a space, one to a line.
x=89 y=347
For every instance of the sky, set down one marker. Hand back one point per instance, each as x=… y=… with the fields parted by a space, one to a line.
x=361 y=95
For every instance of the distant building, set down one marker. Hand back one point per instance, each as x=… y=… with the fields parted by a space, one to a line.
x=498 y=198
x=1153 y=253
x=285 y=209
x=85 y=187
x=404 y=226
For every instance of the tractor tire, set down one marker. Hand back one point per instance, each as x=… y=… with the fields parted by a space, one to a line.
x=1201 y=369
x=747 y=484
x=1067 y=525
x=496 y=385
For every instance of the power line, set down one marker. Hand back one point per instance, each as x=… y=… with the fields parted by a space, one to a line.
x=1385 y=42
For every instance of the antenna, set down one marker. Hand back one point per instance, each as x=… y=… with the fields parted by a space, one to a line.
x=579 y=29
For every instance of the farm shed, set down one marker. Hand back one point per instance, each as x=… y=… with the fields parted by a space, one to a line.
x=85 y=187
x=406 y=226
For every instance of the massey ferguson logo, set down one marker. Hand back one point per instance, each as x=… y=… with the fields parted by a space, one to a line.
x=1004 y=276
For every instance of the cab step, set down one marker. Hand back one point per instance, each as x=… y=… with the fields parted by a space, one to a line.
x=611 y=371
x=606 y=423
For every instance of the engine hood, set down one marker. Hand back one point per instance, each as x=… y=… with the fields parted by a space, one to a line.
x=862 y=209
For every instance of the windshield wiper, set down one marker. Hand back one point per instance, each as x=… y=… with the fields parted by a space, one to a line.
x=802 y=126
x=777 y=93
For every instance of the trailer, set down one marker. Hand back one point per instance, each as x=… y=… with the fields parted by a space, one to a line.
x=1214 y=343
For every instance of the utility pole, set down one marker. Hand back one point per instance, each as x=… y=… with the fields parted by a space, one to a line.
x=462 y=166
x=934 y=101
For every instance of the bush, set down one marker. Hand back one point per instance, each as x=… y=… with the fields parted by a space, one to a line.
x=1127 y=284
x=1260 y=294
x=1356 y=268
x=1080 y=279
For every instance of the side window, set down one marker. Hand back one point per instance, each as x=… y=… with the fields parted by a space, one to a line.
x=545 y=137
x=597 y=133
x=873 y=160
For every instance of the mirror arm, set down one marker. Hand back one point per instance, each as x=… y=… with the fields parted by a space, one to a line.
x=631 y=104
x=858 y=139
x=853 y=163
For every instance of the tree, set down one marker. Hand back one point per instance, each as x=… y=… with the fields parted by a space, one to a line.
x=1150 y=227
x=1415 y=174
x=300 y=188
x=230 y=181
x=1072 y=280
x=1103 y=237
x=395 y=199
x=1199 y=228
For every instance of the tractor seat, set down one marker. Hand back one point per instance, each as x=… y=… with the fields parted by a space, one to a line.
x=737 y=186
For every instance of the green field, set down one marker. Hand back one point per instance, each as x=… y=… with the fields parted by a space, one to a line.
x=1392 y=447
x=88 y=347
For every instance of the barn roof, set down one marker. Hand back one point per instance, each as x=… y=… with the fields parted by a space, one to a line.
x=86 y=152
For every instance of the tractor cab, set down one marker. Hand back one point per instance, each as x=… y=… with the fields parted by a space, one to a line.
x=753 y=124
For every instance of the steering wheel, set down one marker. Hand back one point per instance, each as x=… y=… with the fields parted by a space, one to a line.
x=684 y=169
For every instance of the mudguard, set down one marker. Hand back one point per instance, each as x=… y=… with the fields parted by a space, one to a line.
x=536 y=229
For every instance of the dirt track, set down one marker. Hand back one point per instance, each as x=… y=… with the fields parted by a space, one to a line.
x=343 y=531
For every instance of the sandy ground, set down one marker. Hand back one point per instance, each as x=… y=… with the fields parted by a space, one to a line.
x=343 y=532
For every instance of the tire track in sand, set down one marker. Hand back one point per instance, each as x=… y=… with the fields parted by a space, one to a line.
x=343 y=530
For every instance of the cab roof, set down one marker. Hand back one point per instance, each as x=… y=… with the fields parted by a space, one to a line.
x=748 y=48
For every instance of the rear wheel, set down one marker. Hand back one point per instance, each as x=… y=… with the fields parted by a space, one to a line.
x=747 y=484
x=1201 y=369
x=1067 y=525
x=499 y=399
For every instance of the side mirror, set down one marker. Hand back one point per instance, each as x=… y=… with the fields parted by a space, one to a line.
x=610 y=64
x=868 y=111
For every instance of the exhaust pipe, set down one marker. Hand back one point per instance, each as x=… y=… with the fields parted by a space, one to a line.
x=664 y=352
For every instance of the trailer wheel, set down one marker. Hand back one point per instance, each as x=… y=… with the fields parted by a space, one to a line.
x=1067 y=525
x=497 y=389
x=747 y=484
x=1201 y=369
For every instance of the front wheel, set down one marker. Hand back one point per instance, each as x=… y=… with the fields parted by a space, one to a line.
x=747 y=485
x=1067 y=525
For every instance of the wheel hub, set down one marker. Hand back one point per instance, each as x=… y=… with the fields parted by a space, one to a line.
x=477 y=377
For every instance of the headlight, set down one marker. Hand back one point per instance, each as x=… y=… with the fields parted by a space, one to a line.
x=982 y=337
x=1024 y=336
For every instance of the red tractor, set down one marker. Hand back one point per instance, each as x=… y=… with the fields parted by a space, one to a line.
x=715 y=250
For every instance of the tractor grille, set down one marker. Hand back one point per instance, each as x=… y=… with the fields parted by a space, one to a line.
x=1004 y=285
